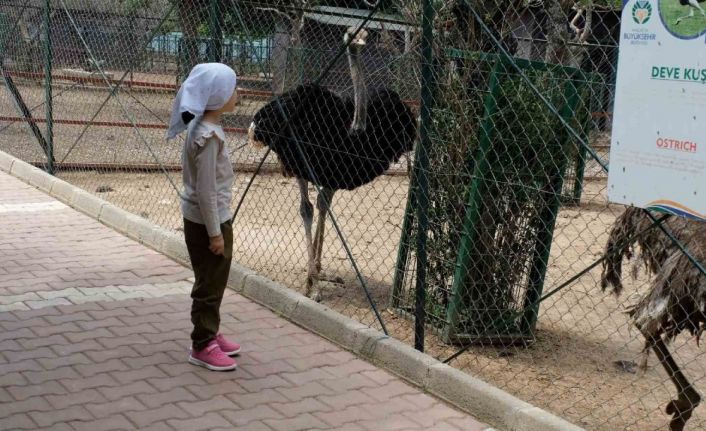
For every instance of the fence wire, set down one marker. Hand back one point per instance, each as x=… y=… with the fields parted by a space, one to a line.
x=467 y=139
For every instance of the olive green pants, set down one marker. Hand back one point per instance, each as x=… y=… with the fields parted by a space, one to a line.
x=211 y=274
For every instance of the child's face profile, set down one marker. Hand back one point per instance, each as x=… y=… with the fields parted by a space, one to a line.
x=230 y=104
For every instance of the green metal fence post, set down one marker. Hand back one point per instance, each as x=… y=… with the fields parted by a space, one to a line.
x=404 y=246
x=421 y=171
x=587 y=126
x=49 y=137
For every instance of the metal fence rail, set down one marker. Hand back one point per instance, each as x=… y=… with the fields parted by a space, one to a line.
x=483 y=237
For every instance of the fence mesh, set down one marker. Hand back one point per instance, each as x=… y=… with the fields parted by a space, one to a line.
x=470 y=194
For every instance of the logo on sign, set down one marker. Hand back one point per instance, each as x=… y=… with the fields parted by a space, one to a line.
x=642 y=11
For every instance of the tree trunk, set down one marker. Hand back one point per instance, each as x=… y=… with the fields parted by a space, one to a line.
x=189 y=13
x=286 y=53
x=279 y=54
x=297 y=59
x=24 y=48
x=557 y=34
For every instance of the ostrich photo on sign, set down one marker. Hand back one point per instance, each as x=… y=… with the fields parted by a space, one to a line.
x=685 y=19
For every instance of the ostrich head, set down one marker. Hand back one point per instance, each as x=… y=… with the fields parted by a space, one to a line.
x=264 y=127
x=267 y=126
x=357 y=41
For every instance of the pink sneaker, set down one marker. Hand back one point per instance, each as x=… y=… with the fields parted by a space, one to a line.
x=213 y=358
x=228 y=347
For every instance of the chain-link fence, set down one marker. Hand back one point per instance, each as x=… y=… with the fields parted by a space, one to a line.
x=466 y=142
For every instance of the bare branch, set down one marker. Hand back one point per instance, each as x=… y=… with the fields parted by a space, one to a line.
x=274 y=10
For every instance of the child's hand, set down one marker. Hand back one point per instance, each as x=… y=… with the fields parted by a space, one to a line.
x=217 y=245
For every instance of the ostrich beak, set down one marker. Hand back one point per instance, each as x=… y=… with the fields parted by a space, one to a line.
x=251 y=137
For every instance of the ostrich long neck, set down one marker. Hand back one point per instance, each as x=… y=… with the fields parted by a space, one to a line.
x=360 y=92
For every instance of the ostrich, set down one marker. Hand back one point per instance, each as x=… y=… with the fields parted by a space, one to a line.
x=693 y=4
x=676 y=300
x=347 y=143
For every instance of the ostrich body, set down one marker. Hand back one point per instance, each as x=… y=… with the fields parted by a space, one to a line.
x=676 y=300
x=345 y=143
x=693 y=4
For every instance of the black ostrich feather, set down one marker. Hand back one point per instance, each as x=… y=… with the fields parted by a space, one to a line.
x=320 y=120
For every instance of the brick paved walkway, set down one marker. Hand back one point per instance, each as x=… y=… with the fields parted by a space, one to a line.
x=94 y=336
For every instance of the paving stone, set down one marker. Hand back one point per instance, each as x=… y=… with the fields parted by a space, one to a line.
x=342 y=400
x=164 y=413
x=266 y=396
x=251 y=426
x=295 y=408
x=209 y=391
x=84 y=346
x=243 y=417
x=123 y=390
x=467 y=424
x=116 y=422
x=431 y=416
x=298 y=423
x=108 y=366
x=74 y=413
x=307 y=390
x=141 y=374
x=338 y=418
x=268 y=382
x=391 y=424
x=100 y=409
x=23 y=355
x=80 y=398
x=199 y=408
x=97 y=381
x=18 y=421
x=168 y=397
x=22 y=366
x=11 y=379
x=206 y=422
x=36 y=377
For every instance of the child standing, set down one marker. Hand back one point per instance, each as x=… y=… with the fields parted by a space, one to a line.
x=208 y=92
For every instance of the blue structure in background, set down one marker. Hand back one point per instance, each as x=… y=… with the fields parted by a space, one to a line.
x=243 y=51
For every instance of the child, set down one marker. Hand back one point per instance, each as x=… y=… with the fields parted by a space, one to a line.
x=208 y=92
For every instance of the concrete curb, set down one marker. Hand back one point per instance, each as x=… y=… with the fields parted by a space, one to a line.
x=478 y=398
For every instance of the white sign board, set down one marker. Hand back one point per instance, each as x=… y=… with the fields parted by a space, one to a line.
x=658 y=147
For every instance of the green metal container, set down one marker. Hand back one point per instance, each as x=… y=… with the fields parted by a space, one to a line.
x=493 y=208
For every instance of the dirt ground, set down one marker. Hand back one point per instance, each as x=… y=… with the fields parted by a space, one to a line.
x=570 y=370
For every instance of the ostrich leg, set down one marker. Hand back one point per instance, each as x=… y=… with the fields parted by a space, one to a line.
x=306 y=209
x=691 y=14
x=688 y=399
x=645 y=356
x=696 y=4
x=323 y=203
